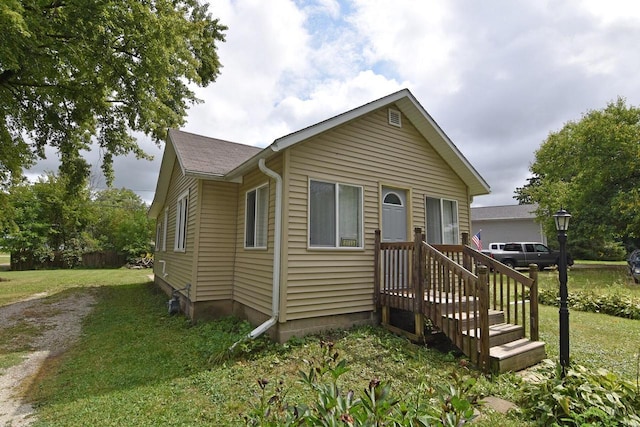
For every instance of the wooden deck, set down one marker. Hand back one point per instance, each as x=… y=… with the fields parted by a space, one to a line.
x=489 y=311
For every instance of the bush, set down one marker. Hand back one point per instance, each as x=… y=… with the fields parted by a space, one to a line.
x=597 y=249
x=580 y=398
x=612 y=304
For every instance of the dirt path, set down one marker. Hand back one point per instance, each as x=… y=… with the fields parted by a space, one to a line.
x=58 y=324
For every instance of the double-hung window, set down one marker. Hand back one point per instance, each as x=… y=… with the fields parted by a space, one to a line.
x=159 y=236
x=181 y=222
x=164 y=229
x=335 y=215
x=442 y=221
x=256 y=218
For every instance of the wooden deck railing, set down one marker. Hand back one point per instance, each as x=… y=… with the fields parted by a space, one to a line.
x=509 y=290
x=455 y=287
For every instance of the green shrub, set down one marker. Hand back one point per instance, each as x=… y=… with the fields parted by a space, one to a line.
x=613 y=304
x=596 y=249
x=581 y=398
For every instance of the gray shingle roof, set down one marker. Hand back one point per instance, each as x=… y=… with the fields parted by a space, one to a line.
x=503 y=212
x=209 y=156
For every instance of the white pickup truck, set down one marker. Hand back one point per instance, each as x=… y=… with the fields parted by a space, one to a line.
x=493 y=248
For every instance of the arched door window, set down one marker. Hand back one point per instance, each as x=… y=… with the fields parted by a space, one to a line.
x=392 y=199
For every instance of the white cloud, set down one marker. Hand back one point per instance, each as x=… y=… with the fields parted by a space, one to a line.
x=611 y=11
x=497 y=76
x=265 y=42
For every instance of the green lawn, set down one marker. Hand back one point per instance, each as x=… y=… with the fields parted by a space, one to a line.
x=609 y=279
x=17 y=285
x=136 y=365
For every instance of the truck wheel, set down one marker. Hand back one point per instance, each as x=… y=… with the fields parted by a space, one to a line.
x=509 y=263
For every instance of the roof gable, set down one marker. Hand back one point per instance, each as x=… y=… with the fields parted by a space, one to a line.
x=404 y=101
x=210 y=158
x=198 y=156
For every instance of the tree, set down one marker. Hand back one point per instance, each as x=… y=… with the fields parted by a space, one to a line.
x=77 y=71
x=122 y=224
x=48 y=223
x=592 y=168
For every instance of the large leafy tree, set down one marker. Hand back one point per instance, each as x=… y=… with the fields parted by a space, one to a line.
x=73 y=72
x=121 y=224
x=592 y=168
x=48 y=222
x=51 y=223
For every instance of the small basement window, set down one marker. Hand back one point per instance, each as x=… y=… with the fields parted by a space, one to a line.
x=395 y=118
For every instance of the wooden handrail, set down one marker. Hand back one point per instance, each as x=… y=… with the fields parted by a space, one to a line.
x=510 y=291
x=454 y=286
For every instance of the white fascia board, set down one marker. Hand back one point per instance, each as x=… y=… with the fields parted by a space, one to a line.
x=164 y=179
x=311 y=131
x=433 y=133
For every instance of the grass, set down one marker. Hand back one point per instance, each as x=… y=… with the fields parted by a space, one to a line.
x=609 y=279
x=18 y=285
x=136 y=365
x=596 y=340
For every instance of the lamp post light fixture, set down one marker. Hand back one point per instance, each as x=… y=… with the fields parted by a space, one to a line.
x=562 y=224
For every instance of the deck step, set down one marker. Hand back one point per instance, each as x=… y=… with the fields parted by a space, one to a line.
x=495 y=317
x=499 y=334
x=516 y=355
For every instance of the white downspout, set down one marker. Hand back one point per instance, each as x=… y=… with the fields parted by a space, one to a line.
x=277 y=242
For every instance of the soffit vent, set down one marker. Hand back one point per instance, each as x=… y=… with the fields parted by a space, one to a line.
x=395 y=118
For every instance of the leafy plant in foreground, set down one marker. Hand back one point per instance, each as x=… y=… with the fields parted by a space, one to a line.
x=376 y=405
x=582 y=397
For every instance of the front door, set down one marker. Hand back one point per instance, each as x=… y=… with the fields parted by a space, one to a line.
x=394 y=229
x=394 y=215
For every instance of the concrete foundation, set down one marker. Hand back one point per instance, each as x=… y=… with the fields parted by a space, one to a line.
x=281 y=332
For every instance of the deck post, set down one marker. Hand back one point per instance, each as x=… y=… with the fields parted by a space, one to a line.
x=376 y=272
x=418 y=282
x=483 y=294
x=466 y=259
x=534 y=317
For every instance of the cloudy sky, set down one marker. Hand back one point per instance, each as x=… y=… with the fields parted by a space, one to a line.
x=497 y=76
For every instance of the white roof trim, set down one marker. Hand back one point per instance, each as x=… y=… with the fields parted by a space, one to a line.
x=162 y=186
x=413 y=110
x=404 y=101
x=311 y=131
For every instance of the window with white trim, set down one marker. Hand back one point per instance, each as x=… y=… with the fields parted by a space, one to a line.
x=164 y=229
x=181 y=222
x=256 y=218
x=442 y=221
x=159 y=236
x=335 y=215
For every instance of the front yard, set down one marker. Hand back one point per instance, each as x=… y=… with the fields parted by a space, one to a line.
x=136 y=365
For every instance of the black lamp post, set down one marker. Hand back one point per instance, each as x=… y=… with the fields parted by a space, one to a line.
x=562 y=224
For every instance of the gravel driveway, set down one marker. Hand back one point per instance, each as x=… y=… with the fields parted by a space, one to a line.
x=59 y=322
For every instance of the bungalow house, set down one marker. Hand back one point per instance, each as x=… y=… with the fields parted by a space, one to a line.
x=284 y=236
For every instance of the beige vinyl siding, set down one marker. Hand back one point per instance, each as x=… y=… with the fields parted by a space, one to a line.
x=367 y=152
x=179 y=265
x=216 y=240
x=254 y=267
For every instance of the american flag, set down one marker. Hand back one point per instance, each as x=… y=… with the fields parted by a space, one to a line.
x=477 y=240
